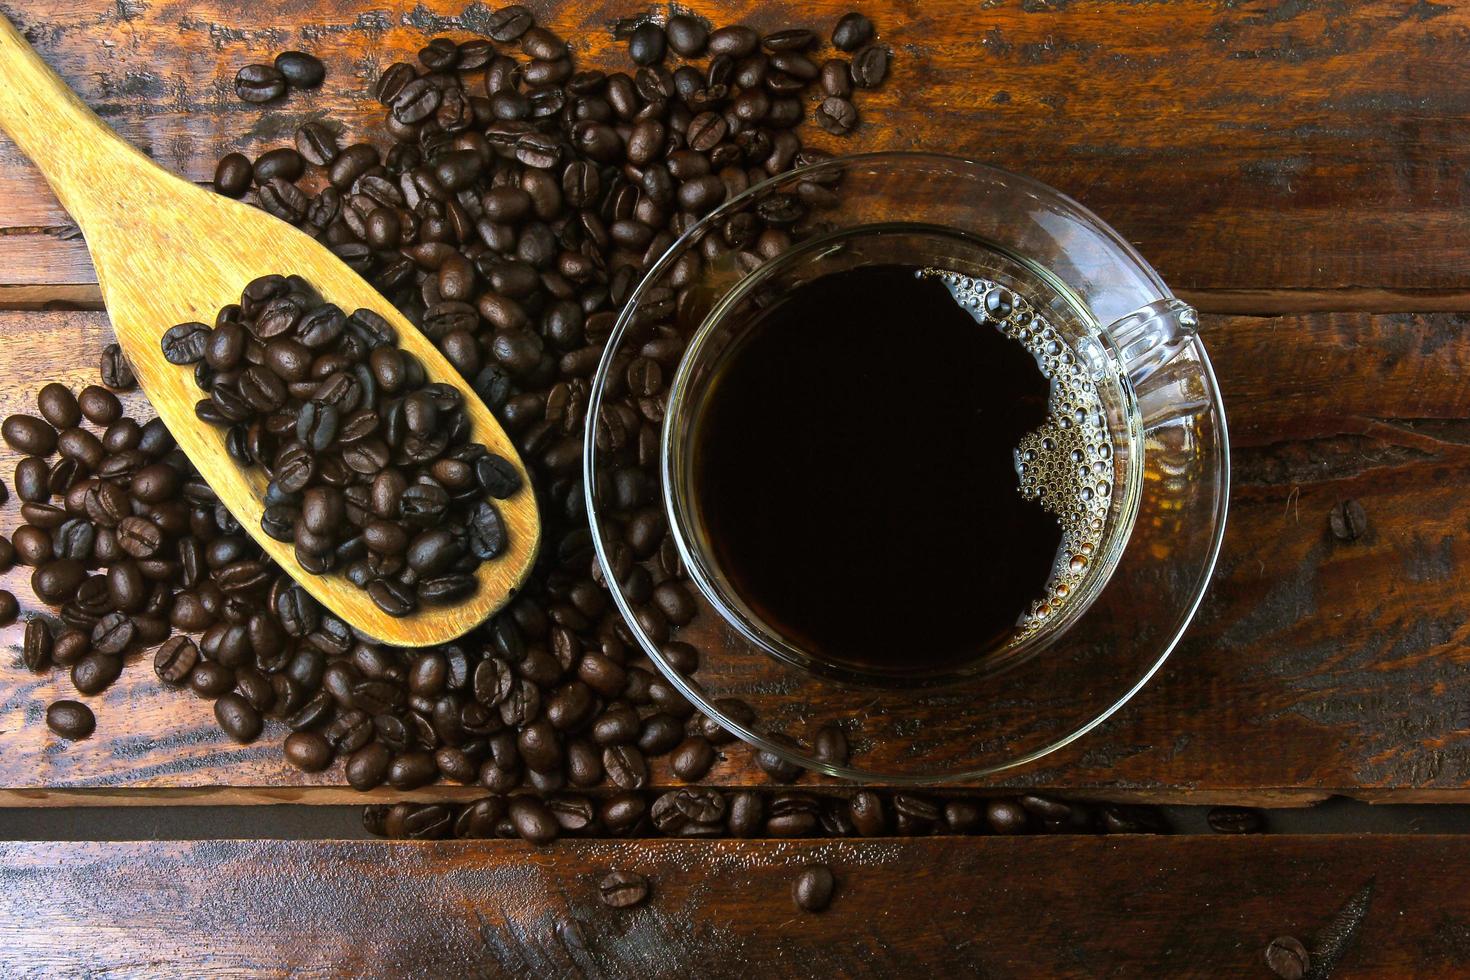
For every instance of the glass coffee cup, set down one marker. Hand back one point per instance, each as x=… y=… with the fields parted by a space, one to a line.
x=1022 y=259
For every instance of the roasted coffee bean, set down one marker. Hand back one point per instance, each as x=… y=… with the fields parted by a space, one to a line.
x=830 y=745
x=1005 y=817
x=98 y=405
x=29 y=434
x=70 y=719
x=116 y=372
x=300 y=70
x=367 y=767
x=622 y=889
x=282 y=162
x=57 y=581
x=687 y=35
x=36 y=646
x=1235 y=820
x=625 y=766
x=114 y=633
x=175 y=659
x=259 y=84
x=1288 y=958
x=870 y=66
x=508 y=23
x=646 y=44
x=58 y=406
x=533 y=820
x=9 y=608
x=32 y=545
x=237 y=717
x=95 y=672
x=837 y=115
x=692 y=759
x=853 y=30
x=779 y=769
x=812 y=890
x=232 y=175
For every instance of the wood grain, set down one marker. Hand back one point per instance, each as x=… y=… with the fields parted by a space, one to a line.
x=1316 y=666
x=1252 y=146
x=168 y=252
x=992 y=907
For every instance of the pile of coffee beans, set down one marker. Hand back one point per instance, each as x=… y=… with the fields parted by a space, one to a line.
x=517 y=205
x=371 y=468
x=697 y=811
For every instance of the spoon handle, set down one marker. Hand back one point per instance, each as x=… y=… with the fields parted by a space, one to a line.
x=82 y=158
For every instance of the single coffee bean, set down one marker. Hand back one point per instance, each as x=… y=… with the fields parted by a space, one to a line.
x=95 y=672
x=1348 y=521
x=232 y=175
x=70 y=719
x=687 y=35
x=1288 y=958
x=36 y=645
x=812 y=890
x=116 y=372
x=114 y=633
x=1235 y=820
x=533 y=820
x=57 y=581
x=300 y=70
x=509 y=23
x=99 y=406
x=58 y=406
x=853 y=30
x=622 y=889
x=175 y=660
x=237 y=717
x=9 y=608
x=870 y=66
x=367 y=767
x=837 y=115
x=210 y=680
x=1005 y=817
x=28 y=434
x=692 y=759
x=283 y=162
x=646 y=45
x=259 y=84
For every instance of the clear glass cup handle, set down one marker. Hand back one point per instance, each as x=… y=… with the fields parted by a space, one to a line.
x=1145 y=343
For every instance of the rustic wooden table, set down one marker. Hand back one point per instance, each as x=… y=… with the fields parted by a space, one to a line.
x=1298 y=170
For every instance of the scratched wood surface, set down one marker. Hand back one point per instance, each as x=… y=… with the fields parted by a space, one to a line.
x=1266 y=156
x=996 y=907
x=1316 y=665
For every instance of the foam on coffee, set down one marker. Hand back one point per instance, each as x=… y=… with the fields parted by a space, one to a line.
x=1065 y=464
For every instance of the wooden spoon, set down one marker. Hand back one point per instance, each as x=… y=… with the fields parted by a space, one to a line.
x=167 y=252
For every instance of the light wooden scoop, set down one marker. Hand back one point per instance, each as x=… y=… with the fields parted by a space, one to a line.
x=166 y=252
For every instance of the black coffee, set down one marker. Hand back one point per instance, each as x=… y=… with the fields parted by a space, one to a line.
x=854 y=472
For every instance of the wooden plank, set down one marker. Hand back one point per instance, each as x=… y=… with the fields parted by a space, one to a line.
x=994 y=907
x=1316 y=666
x=1247 y=146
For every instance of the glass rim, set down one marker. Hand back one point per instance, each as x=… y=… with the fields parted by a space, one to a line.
x=893 y=158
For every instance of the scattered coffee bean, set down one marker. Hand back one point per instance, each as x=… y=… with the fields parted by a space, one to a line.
x=1348 y=520
x=259 y=84
x=1288 y=958
x=812 y=890
x=299 y=69
x=1235 y=820
x=623 y=889
x=116 y=372
x=35 y=650
x=70 y=719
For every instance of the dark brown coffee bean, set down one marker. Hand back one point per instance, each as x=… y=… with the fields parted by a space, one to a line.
x=300 y=70
x=533 y=820
x=853 y=30
x=367 y=767
x=837 y=115
x=1288 y=958
x=57 y=581
x=646 y=44
x=812 y=890
x=1235 y=820
x=114 y=633
x=175 y=660
x=692 y=759
x=237 y=717
x=622 y=889
x=509 y=23
x=28 y=434
x=687 y=35
x=232 y=175
x=100 y=406
x=95 y=672
x=737 y=41
x=139 y=537
x=870 y=66
x=830 y=745
x=1005 y=817
x=625 y=766
x=259 y=84
x=70 y=719
x=210 y=680
x=36 y=646
x=9 y=608
x=58 y=406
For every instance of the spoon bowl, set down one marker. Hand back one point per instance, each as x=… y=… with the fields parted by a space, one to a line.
x=166 y=252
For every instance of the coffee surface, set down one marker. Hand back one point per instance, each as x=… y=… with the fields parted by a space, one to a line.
x=854 y=472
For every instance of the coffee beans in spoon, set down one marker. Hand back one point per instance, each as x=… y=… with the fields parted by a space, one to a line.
x=372 y=472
